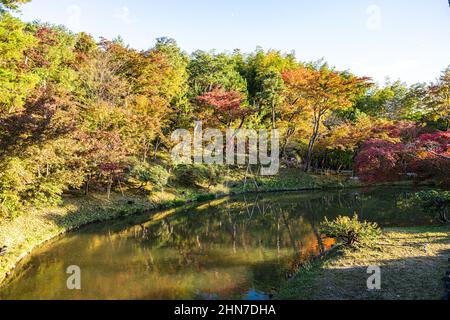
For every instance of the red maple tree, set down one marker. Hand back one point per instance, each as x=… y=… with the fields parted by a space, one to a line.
x=226 y=106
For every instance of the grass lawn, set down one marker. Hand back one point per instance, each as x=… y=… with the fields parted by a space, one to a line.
x=413 y=262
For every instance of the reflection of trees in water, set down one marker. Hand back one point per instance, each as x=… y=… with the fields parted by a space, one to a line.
x=253 y=224
x=222 y=247
x=266 y=222
x=260 y=232
x=263 y=222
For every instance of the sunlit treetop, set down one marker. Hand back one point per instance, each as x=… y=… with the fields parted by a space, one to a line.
x=11 y=4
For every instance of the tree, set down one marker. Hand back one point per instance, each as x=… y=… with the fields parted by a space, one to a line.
x=11 y=4
x=74 y=112
x=37 y=158
x=37 y=118
x=263 y=74
x=174 y=85
x=223 y=107
x=176 y=77
x=430 y=103
x=437 y=101
x=424 y=157
x=379 y=160
x=433 y=201
x=340 y=144
x=17 y=78
x=319 y=92
x=210 y=70
x=271 y=94
x=393 y=101
x=428 y=157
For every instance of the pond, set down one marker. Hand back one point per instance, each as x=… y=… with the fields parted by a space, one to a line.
x=231 y=248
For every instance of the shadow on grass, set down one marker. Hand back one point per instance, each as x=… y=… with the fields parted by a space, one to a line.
x=411 y=278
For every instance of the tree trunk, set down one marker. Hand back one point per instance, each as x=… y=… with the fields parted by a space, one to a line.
x=273 y=115
x=110 y=182
x=443 y=216
x=289 y=133
x=312 y=141
x=145 y=153
x=86 y=187
x=157 y=144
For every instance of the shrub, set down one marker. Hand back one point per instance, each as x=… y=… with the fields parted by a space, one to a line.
x=188 y=175
x=146 y=173
x=21 y=186
x=10 y=204
x=351 y=230
x=159 y=176
x=205 y=197
x=434 y=201
x=378 y=161
x=425 y=157
x=194 y=175
x=213 y=175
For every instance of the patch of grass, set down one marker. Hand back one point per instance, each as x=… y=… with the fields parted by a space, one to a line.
x=413 y=262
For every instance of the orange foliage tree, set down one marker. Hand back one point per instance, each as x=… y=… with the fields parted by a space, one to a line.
x=317 y=92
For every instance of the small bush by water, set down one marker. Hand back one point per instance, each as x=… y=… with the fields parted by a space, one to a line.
x=350 y=230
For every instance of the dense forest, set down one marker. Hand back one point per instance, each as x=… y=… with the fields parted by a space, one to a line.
x=81 y=114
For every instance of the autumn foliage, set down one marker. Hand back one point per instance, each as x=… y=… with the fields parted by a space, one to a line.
x=82 y=115
x=225 y=107
x=426 y=157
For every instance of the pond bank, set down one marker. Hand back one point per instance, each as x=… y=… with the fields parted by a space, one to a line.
x=413 y=262
x=33 y=228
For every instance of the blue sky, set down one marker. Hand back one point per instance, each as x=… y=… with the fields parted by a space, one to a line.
x=406 y=39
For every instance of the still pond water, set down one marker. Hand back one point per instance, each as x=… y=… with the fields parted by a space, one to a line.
x=231 y=248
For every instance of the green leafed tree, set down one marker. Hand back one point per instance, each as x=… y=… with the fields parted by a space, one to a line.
x=17 y=78
x=11 y=4
x=209 y=70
